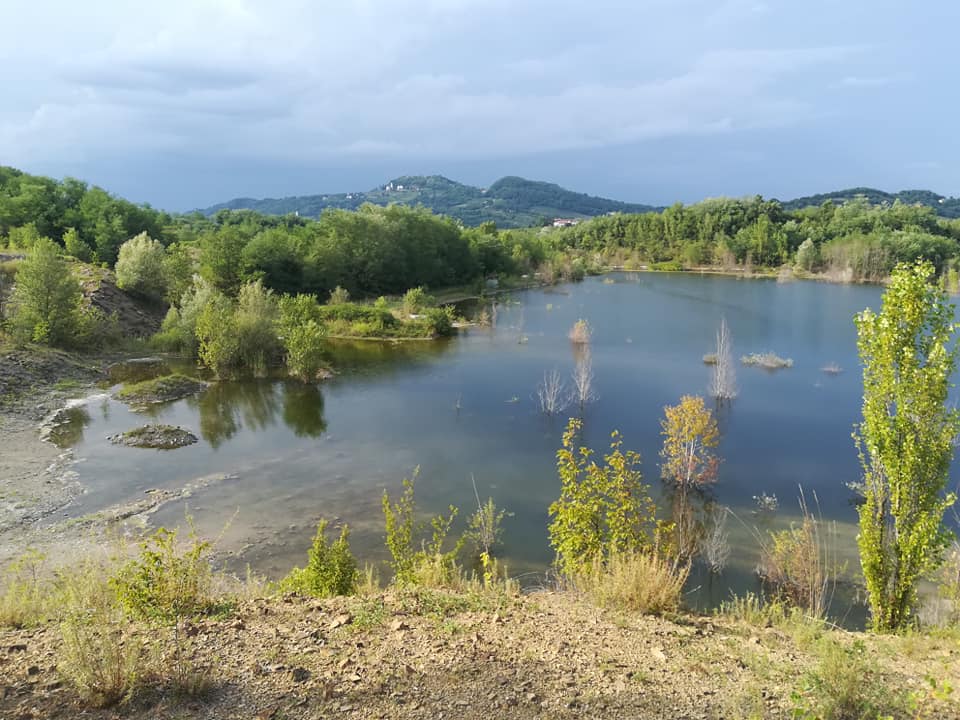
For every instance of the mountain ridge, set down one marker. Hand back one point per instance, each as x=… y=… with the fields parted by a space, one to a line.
x=514 y=201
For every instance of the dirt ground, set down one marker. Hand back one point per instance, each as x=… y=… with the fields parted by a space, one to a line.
x=544 y=655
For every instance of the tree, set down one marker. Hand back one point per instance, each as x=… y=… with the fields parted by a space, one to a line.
x=905 y=441
x=602 y=510
x=689 y=463
x=75 y=246
x=302 y=334
x=723 y=382
x=46 y=297
x=140 y=266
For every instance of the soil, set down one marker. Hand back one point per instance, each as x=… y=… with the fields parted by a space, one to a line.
x=37 y=386
x=162 y=389
x=544 y=655
x=157 y=437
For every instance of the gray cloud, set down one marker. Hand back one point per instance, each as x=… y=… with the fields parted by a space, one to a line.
x=293 y=81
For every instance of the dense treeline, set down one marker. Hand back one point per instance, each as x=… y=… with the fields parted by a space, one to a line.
x=376 y=250
x=854 y=241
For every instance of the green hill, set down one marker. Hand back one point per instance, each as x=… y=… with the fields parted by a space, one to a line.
x=509 y=202
x=948 y=207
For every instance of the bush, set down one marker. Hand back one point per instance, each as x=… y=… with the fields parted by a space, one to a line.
x=796 y=565
x=75 y=246
x=99 y=655
x=429 y=566
x=140 y=268
x=440 y=320
x=302 y=335
x=163 y=583
x=331 y=569
x=580 y=332
x=417 y=299
x=179 y=329
x=602 y=510
x=46 y=298
x=338 y=296
x=767 y=361
x=644 y=582
x=23 y=599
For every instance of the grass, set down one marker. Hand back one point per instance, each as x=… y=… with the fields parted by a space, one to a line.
x=639 y=582
x=24 y=600
x=161 y=389
x=767 y=361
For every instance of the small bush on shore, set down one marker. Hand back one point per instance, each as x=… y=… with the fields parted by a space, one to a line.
x=165 y=583
x=331 y=568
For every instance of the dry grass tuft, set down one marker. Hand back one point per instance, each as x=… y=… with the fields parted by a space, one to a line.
x=644 y=582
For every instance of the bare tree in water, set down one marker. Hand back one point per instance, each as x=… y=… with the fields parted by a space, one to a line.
x=723 y=383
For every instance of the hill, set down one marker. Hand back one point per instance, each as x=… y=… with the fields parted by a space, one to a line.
x=948 y=207
x=509 y=202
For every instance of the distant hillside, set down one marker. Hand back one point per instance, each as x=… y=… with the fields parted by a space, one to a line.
x=509 y=202
x=948 y=207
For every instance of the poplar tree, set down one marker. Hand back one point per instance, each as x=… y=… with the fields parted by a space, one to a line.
x=905 y=441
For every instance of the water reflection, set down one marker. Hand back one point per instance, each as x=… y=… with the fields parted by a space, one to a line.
x=303 y=409
x=227 y=408
x=66 y=428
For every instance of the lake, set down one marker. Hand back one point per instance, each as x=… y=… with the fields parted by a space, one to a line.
x=465 y=408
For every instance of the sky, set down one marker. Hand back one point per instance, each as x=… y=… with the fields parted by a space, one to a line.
x=186 y=103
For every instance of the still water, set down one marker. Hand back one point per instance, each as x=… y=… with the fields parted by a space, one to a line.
x=466 y=408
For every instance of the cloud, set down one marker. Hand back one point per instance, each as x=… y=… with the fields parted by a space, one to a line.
x=297 y=81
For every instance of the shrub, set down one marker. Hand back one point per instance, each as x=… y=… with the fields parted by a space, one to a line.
x=139 y=266
x=179 y=329
x=163 y=583
x=417 y=299
x=46 y=297
x=302 y=335
x=429 y=566
x=331 y=569
x=440 y=320
x=645 y=582
x=99 y=655
x=796 y=565
x=75 y=246
x=23 y=599
x=602 y=510
x=338 y=296
x=950 y=581
x=580 y=332
x=767 y=361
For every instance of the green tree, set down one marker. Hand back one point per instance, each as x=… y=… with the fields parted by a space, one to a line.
x=140 y=266
x=46 y=297
x=302 y=333
x=905 y=441
x=75 y=246
x=602 y=509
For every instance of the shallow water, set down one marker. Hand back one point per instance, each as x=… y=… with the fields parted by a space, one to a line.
x=465 y=408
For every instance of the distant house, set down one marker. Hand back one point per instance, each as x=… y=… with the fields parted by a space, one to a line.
x=565 y=222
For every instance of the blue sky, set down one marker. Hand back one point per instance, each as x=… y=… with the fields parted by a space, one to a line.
x=189 y=102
